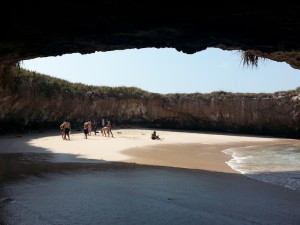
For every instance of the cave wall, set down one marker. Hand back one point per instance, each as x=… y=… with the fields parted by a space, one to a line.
x=265 y=114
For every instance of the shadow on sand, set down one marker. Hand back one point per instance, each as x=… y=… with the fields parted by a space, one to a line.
x=36 y=191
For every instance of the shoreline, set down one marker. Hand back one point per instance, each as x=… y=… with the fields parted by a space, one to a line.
x=191 y=150
x=208 y=157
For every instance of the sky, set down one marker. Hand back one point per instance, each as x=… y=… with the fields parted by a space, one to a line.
x=166 y=70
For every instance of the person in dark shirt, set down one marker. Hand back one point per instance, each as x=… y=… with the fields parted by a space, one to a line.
x=154 y=136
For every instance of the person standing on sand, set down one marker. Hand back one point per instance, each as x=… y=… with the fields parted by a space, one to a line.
x=90 y=127
x=109 y=129
x=62 y=129
x=104 y=131
x=95 y=126
x=86 y=129
x=67 y=127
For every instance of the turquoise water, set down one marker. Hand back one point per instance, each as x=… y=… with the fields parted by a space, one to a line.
x=275 y=164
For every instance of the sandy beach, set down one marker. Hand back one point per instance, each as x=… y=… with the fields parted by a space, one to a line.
x=181 y=161
x=180 y=149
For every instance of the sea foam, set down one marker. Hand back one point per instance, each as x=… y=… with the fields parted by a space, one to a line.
x=275 y=164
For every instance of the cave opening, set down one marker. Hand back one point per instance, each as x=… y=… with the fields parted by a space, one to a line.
x=167 y=71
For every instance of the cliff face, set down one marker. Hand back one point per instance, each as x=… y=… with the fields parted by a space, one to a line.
x=272 y=114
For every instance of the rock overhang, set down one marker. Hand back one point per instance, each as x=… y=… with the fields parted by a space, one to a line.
x=31 y=30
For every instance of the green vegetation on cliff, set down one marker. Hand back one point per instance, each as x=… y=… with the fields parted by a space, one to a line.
x=20 y=79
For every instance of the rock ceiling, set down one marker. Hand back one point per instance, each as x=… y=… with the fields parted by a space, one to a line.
x=41 y=29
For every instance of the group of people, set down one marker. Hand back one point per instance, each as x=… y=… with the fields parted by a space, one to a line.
x=88 y=127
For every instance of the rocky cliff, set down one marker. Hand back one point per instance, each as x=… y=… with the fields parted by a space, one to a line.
x=34 y=102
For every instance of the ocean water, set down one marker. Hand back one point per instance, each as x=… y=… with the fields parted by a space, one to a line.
x=275 y=164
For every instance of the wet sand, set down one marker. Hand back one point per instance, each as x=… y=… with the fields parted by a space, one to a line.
x=131 y=179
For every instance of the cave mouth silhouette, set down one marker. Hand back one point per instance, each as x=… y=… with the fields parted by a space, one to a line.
x=39 y=30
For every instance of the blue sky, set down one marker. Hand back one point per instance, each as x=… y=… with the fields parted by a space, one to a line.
x=169 y=71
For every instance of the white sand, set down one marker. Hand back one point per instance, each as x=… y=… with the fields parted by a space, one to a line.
x=135 y=145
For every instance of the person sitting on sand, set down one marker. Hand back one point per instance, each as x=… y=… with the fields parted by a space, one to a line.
x=154 y=136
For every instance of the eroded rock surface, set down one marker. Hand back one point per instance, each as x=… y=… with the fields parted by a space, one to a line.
x=26 y=107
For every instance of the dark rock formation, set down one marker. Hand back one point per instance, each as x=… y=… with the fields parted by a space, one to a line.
x=267 y=29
